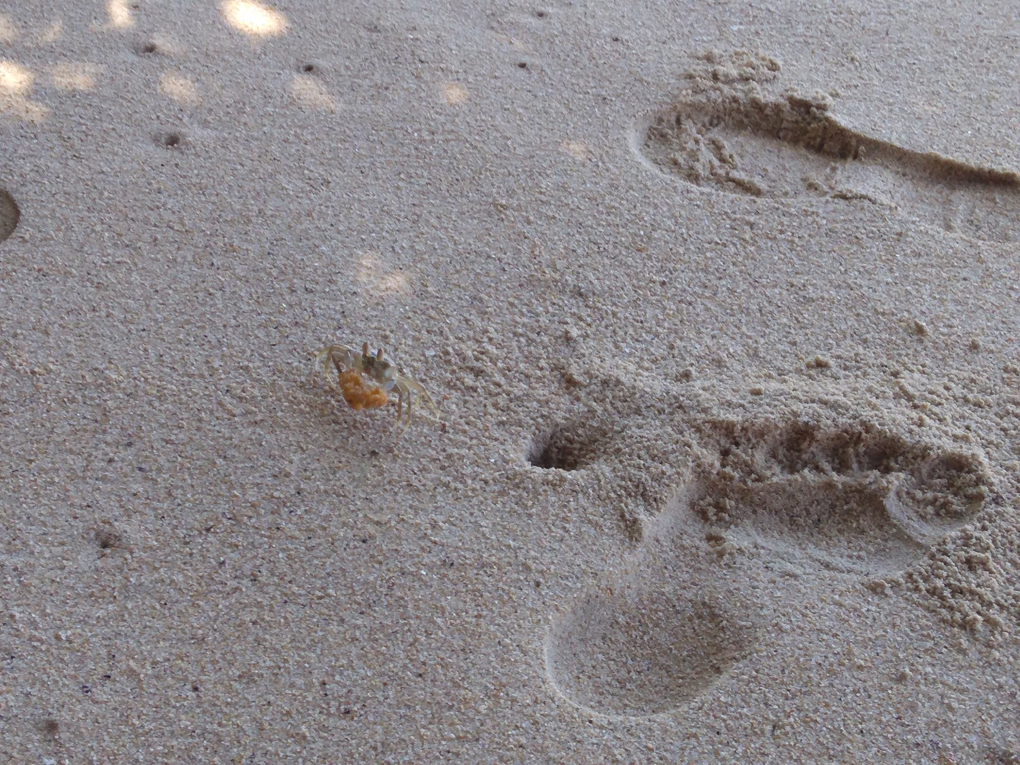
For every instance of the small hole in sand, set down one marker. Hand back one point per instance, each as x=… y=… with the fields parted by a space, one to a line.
x=172 y=140
x=541 y=14
x=567 y=448
x=107 y=538
x=9 y=215
x=522 y=64
x=147 y=48
x=308 y=68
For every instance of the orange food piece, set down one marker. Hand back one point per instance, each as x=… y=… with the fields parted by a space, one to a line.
x=359 y=395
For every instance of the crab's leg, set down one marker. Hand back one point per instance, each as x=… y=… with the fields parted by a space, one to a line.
x=412 y=403
x=324 y=357
x=400 y=405
x=338 y=365
x=423 y=395
x=340 y=356
x=402 y=391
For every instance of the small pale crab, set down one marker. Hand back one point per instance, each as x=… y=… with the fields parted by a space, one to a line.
x=365 y=380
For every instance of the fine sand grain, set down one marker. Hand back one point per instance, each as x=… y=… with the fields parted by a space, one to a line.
x=719 y=307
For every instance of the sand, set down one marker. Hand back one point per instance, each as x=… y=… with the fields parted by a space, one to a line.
x=719 y=307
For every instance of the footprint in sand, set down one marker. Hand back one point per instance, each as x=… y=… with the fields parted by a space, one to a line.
x=9 y=215
x=726 y=134
x=789 y=498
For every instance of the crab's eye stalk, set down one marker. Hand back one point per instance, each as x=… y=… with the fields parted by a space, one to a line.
x=364 y=349
x=378 y=354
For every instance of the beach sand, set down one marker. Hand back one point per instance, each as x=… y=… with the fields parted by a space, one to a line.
x=719 y=306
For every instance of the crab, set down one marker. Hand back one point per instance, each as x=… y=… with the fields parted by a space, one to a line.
x=366 y=378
